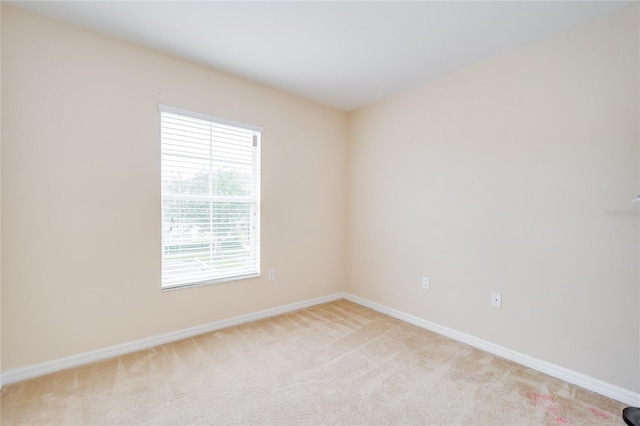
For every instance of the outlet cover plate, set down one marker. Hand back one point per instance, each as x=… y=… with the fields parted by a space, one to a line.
x=425 y=283
x=496 y=300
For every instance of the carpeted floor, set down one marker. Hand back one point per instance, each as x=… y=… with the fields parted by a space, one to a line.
x=338 y=363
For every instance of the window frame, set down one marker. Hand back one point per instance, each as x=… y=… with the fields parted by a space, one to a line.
x=253 y=200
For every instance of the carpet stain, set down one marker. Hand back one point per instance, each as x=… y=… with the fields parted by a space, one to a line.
x=539 y=398
x=599 y=413
x=557 y=418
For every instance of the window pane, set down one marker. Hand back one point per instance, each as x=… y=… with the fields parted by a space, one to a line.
x=210 y=201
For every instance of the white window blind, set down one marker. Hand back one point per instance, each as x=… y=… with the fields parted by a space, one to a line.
x=210 y=199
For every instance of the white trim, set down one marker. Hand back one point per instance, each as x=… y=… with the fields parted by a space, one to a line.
x=31 y=371
x=579 y=379
x=200 y=116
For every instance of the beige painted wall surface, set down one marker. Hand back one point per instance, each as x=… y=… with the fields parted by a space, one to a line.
x=498 y=178
x=81 y=192
x=0 y=194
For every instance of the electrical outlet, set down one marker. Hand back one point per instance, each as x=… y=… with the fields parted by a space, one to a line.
x=496 y=300
x=425 y=283
x=272 y=274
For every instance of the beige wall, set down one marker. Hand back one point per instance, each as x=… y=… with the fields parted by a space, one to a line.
x=497 y=178
x=81 y=192
x=0 y=195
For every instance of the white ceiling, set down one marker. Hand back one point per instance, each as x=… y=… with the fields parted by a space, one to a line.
x=342 y=54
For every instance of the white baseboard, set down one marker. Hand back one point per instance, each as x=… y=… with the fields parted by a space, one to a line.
x=579 y=379
x=29 y=372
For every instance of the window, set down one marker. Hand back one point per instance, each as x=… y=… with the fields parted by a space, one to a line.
x=210 y=199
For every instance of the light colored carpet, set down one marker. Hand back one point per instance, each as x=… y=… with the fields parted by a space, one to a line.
x=337 y=363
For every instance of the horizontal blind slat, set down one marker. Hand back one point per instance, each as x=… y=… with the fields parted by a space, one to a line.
x=210 y=200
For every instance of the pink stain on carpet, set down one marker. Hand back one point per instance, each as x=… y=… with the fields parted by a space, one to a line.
x=560 y=420
x=599 y=413
x=540 y=398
